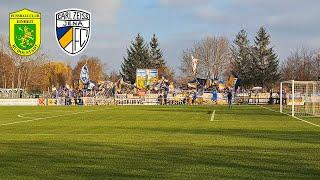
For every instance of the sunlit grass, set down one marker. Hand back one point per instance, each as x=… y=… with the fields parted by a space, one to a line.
x=163 y=142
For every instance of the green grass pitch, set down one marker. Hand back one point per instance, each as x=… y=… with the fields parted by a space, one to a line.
x=156 y=142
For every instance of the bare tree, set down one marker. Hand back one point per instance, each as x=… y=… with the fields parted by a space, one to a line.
x=302 y=65
x=32 y=69
x=7 y=66
x=214 y=58
x=186 y=64
x=114 y=76
x=316 y=64
x=96 y=68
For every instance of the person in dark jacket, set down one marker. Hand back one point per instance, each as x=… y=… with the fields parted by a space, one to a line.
x=229 y=95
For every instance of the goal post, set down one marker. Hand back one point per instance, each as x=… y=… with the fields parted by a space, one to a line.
x=300 y=98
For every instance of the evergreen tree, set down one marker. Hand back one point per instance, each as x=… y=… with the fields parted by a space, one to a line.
x=266 y=61
x=242 y=59
x=156 y=54
x=137 y=58
x=157 y=60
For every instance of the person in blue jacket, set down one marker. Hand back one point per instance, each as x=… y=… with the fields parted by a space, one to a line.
x=214 y=96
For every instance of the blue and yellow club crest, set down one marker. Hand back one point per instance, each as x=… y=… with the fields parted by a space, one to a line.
x=25 y=32
x=73 y=30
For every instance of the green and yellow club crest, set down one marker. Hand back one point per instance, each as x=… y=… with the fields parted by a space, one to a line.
x=25 y=32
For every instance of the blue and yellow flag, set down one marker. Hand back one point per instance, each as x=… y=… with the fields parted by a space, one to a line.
x=84 y=74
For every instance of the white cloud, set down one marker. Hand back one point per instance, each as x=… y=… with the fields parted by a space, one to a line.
x=183 y=3
x=105 y=11
x=208 y=14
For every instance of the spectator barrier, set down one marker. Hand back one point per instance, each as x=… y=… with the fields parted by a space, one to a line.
x=148 y=99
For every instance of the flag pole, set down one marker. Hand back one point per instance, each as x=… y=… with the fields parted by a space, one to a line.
x=194 y=69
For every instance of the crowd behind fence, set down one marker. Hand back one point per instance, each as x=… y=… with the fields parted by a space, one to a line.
x=147 y=99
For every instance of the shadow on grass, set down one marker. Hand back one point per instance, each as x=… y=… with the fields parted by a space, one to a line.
x=255 y=112
x=88 y=160
x=312 y=137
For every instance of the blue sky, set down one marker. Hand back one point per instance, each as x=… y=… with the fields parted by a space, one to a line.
x=177 y=23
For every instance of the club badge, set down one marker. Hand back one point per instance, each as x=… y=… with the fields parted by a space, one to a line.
x=25 y=31
x=73 y=30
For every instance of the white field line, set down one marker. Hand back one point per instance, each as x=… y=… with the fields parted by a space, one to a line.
x=44 y=118
x=56 y=134
x=26 y=117
x=317 y=125
x=262 y=152
x=212 y=115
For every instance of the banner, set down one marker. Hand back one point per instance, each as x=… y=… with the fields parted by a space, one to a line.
x=297 y=102
x=231 y=82
x=146 y=78
x=19 y=102
x=41 y=102
x=52 y=102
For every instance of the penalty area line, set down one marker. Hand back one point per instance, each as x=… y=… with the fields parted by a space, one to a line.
x=44 y=118
x=317 y=125
x=212 y=116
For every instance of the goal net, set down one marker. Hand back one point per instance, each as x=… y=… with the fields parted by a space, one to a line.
x=300 y=98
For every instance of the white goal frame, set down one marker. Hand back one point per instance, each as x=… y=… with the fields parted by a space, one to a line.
x=300 y=98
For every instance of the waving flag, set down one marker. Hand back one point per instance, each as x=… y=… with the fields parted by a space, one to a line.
x=194 y=65
x=84 y=74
